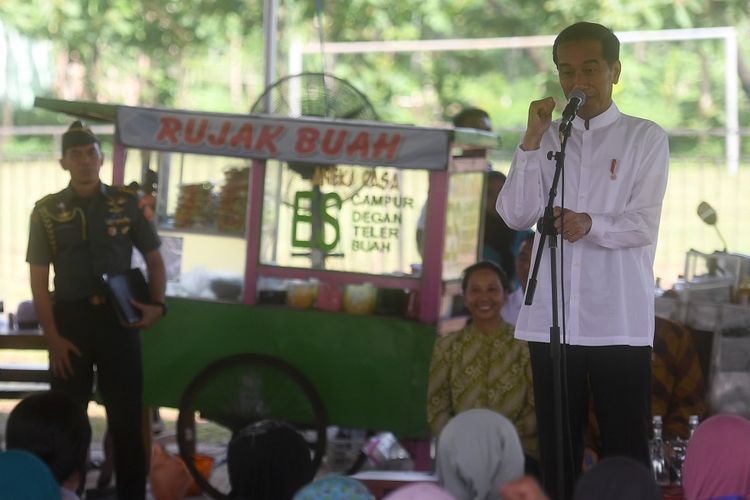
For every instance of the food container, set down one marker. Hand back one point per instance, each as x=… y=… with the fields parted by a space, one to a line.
x=329 y=297
x=360 y=299
x=301 y=294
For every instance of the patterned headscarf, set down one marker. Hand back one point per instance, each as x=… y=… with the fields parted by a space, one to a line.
x=334 y=488
x=717 y=463
x=617 y=478
x=478 y=451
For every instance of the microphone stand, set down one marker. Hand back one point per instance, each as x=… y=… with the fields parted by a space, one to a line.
x=548 y=230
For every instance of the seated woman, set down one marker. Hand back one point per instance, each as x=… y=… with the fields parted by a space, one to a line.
x=420 y=491
x=482 y=365
x=478 y=452
x=717 y=464
x=334 y=488
x=24 y=475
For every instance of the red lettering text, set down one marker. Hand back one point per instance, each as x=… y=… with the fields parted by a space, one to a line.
x=307 y=139
x=267 y=139
x=360 y=146
x=243 y=137
x=333 y=149
x=217 y=141
x=383 y=144
x=169 y=127
x=191 y=137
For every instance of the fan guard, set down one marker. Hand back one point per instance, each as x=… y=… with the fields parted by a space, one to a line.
x=315 y=94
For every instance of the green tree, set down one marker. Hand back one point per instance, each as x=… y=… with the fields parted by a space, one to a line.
x=146 y=42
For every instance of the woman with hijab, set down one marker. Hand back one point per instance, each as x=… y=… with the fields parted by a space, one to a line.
x=717 y=464
x=482 y=365
x=617 y=478
x=334 y=488
x=420 y=491
x=23 y=476
x=478 y=452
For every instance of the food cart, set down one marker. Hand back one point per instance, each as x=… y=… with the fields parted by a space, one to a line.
x=298 y=285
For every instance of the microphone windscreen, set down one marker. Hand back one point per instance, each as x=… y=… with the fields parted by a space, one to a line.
x=707 y=213
x=578 y=94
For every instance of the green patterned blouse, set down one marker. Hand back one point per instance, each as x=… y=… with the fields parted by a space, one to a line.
x=471 y=369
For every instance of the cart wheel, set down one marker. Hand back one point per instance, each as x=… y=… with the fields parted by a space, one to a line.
x=234 y=392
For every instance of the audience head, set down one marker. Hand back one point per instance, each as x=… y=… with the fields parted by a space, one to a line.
x=485 y=288
x=495 y=182
x=23 y=476
x=55 y=428
x=523 y=260
x=478 y=451
x=617 y=478
x=334 y=488
x=525 y=488
x=420 y=491
x=268 y=460
x=473 y=118
x=484 y=265
x=717 y=463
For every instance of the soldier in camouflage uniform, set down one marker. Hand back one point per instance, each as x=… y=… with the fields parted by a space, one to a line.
x=86 y=230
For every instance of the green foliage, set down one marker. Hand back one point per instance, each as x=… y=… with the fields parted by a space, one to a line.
x=188 y=53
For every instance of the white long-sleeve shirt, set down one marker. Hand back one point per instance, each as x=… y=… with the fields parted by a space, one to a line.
x=616 y=172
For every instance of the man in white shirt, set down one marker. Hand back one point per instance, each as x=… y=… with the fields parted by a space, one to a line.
x=614 y=181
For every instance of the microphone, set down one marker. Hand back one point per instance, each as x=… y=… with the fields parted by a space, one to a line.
x=576 y=99
x=707 y=213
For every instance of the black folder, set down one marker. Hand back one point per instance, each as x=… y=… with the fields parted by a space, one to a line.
x=124 y=287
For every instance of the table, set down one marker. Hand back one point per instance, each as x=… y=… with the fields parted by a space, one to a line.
x=18 y=380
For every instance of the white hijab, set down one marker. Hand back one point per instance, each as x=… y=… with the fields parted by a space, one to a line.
x=478 y=451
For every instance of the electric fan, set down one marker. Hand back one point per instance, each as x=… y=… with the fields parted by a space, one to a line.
x=315 y=94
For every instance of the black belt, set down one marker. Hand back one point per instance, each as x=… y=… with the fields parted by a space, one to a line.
x=97 y=299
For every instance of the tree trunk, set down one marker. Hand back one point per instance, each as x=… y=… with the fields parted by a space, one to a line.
x=744 y=74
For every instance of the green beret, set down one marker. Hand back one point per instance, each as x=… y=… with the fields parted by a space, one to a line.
x=78 y=135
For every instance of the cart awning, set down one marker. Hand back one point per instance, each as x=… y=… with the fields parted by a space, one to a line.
x=302 y=140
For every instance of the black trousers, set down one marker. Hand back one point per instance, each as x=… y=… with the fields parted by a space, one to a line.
x=618 y=380
x=116 y=353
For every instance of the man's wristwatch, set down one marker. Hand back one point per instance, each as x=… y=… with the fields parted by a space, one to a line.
x=164 y=308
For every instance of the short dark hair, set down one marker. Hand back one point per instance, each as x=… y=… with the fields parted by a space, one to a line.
x=496 y=175
x=54 y=427
x=484 y=264
x=78 y=135
x=473 y=118
x=590 y=31
x=268 y=460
